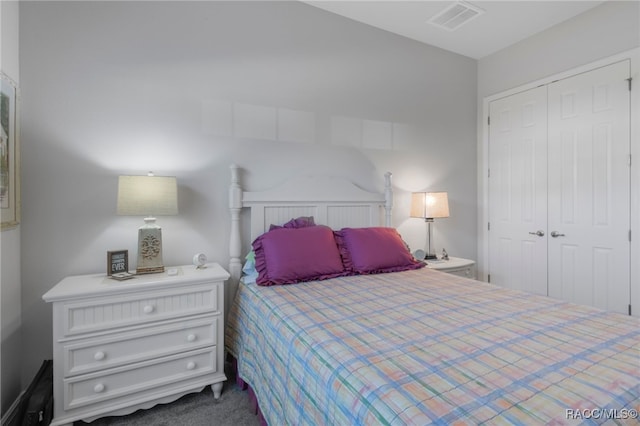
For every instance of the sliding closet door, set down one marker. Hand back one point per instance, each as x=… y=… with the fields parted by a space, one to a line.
x=518 y=191
x=589 y=181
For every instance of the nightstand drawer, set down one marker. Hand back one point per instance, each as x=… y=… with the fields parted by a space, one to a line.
x=146 y=343
x=138 y=308
x=466 y=272
x=137 y=378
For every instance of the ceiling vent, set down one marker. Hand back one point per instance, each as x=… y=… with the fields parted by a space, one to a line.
x=455 y=16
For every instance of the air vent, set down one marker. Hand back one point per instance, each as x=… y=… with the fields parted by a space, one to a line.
x=455 y=16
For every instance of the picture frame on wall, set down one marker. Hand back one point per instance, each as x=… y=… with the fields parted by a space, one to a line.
x=9 y=154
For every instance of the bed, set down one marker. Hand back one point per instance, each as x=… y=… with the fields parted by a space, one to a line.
x=416 y=346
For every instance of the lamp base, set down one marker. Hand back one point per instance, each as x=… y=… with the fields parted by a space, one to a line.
x=149 y=248
x=430 y=257
x=142 y=271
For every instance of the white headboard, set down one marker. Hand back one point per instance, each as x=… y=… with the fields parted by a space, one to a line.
x=332 y=201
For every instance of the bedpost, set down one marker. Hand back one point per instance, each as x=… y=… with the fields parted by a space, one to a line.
x=388 y=199
x=235 y=205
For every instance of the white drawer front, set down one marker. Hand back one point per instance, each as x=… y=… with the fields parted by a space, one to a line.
x=93 y=388
x=109 y=312
x=139 y=345
x=466 y=272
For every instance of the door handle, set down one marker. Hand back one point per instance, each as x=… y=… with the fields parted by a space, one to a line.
x=538 y=233
x=556 y=234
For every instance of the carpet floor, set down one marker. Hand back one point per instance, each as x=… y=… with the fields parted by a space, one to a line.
x=196 y=409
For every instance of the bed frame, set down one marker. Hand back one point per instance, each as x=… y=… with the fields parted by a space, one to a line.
x=332 y=201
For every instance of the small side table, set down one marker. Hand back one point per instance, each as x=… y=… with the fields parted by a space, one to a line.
x=455 y=265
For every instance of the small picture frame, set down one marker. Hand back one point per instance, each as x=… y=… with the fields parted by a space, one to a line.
x=117 y=262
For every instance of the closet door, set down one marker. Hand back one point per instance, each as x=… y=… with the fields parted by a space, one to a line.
x=518 y=191
x=589 y=181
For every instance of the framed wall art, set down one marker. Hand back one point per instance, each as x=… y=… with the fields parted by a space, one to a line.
x=9 y=154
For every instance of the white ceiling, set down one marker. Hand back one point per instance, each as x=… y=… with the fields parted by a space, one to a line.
x=503 y=23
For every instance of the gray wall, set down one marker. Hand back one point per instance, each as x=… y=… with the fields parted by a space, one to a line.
x=10 y=300
x=595 y=34
x=186 y=88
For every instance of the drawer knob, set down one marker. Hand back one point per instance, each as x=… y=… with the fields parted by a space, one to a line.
x=191 y=365
x=191 y=338
x=98 y=356
x=99 y=388
x=147 y=309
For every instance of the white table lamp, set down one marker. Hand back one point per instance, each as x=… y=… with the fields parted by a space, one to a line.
x=429 y=205
x=148 y=196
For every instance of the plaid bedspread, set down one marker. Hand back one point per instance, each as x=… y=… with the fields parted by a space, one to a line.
x=423 y=347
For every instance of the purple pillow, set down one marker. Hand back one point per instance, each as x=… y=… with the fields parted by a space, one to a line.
x=291 y=255
x=299 y=222
x=374 y=250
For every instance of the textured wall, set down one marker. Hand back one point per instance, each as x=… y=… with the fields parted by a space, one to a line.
x=186 y=88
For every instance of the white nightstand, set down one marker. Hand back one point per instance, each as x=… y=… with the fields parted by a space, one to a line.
x=119 y=346
x=455 y=265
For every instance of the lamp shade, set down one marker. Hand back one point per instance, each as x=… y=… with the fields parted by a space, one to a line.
x=147 y=195
x=429 y=205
